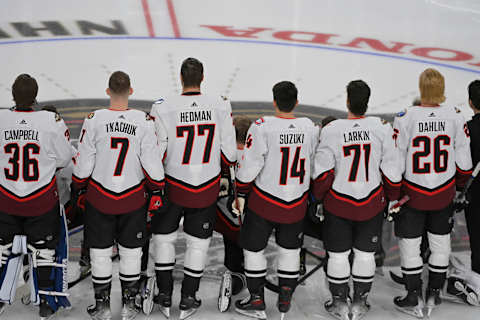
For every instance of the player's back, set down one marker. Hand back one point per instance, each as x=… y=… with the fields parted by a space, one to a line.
x=198 y=133
x=434 y=144
x=33 y=145
x=278 y=155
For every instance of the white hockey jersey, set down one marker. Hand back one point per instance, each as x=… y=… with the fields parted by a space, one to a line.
x=435 y=149
x=117 y=155
x=33 y=145
x=356 y=162
x=277 y=159
x=198 y=135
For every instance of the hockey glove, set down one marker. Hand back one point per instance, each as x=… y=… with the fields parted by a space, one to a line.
x=224 y=187
x=77 y=198
x=158 y=202
x=232 y=203
x=460 y=202
x=315 y=211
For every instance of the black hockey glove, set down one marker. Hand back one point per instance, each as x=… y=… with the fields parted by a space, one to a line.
x=77 y=197
x=158 y=202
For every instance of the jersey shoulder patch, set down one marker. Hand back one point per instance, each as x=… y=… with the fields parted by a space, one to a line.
x=90 y=115
x=384 y=121
x=402 y=113
x=457 y=110
x=57 y=117
x=224 y=98
x=149 y=117
x=159 y=101
x=259 y=121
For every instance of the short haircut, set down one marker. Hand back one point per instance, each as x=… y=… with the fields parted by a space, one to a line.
x=432 y=87
x=285 y=95
x=474 y=93
x=24 y=90
x=327 y=120
x=358 y=94
x=242 y=124
x=192 y=72
x=119 y=83
x=417 y=102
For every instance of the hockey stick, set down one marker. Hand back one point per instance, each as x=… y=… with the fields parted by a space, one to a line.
x=396 y=278
x=396 y=208
x=462 y=195
x=235 y=191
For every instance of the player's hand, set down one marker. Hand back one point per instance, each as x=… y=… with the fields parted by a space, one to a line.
x=224 y=187
x=158 y=202
x=77 y=198
x=315 y=211
x=232 y=204
x=460 y=201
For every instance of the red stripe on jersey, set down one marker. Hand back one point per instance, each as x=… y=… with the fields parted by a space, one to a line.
x=429 y=192
x=189 y=196
x=154 y=184
x=322 y=184
x=356 y=203
x=31 y=196
x=193 y=189
x=429 y=199
x=226 y=161
x=113 y=195
x=469 y=172
x=224 y=226
x=295 y=203
x=243 y=187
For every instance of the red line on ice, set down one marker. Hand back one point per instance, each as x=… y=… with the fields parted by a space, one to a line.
x=148 y=18
x=173 y=19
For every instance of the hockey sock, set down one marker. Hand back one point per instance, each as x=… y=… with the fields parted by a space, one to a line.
x=130 y=261
x=102 y=290
x=288 y=267
x=233 y=258
x=413 y=282
x=339 y=289
x=164 y=252
x=129 y=289
x=360 y=289
x=101 y=265
x=287 y=282
x=190 y=285
x=363 y=271
x=237 y=283
x=439 y=259
x=255 y=270
x=255 y=284
x=164 y=281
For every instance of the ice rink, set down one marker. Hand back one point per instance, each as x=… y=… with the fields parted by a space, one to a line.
x=71 y=47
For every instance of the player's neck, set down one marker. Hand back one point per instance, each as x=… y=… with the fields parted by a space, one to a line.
x=119 y=104
x=190 y=90
x=354 y=116
x=285 y=115
x=24 y=108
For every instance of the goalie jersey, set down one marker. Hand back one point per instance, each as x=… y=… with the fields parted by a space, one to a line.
x=276 y=167
x=435 y=148
x=356 y=166
x=33 y=145
x=117 y=155
x=198 y=135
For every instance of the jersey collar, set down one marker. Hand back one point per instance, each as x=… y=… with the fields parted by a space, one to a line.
x=191 y=93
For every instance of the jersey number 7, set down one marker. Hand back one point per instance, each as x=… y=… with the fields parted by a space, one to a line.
x=124 y=143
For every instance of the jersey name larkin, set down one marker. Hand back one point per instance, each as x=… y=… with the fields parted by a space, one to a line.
x=355 y=136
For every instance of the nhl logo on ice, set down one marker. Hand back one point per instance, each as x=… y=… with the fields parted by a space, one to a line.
x=139 y=235
x=206 y=225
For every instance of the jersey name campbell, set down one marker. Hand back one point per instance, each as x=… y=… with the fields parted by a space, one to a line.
x=33 y=144
x=198 y=135
x=435 y=148
x=356 y=162
x=276 y=167
x=117 y=155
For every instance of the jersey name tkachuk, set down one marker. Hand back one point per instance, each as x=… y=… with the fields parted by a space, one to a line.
x=118 y=155
x=356 y=166
x=33 y=146
x=435 y=148
x=275 y=169
x=197 y=132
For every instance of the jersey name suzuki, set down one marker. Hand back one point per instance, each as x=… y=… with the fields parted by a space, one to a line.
x=117 y=154
x=435 y=148
x=198 y=135
x=357 y=154
x=32 y=146
x=277 y=159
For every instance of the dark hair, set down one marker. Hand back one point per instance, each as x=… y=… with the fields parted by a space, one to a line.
x=192 y=72
x=285 y=95
x=119 y=82
x=474 y=93
x=50 y=108
x=242 y=124
x=358 y=94
x=24 y=90
x=327 y=120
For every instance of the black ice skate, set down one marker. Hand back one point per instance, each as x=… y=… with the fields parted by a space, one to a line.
x=147 y=294
x=284 y=300
x=359 y=307
x=129 y=307
x=101 y=309
x=164 y=301
x=252 y=306
x=338 y=307
x=411 y=304
x=45 y=311
x=432 y=298
x=225 y=293
x=459 y=291
x=188 y=306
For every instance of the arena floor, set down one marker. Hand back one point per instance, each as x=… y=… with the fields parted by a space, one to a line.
x=71 y=47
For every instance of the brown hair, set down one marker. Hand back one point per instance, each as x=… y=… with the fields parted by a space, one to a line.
x=432 y=87
x=119 y=82
x=242 y=124
x=192 y=72
x=24 y=90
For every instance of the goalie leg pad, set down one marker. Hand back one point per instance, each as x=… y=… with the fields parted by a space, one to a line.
x=101 y=260
x=411 y=259
x=164 y=251
x=195 y=255
x=130 y=263
x=11 y=267
x=338 y=267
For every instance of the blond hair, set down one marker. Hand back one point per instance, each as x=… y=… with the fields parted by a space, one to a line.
x=432 y=87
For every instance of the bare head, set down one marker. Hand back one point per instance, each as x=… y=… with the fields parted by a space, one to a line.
x=242 y=124
x=432 y=87
x=474 y=95
x=191 y=73
x=358 y=94
x=24 y=91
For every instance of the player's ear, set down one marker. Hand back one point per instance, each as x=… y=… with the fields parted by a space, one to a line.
x=275 y=103
x=130 y=91
x=296 y=103
x=108 y=92
x=202 y=78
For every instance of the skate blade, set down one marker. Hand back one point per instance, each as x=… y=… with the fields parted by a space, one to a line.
x=129 y=316
x=417 y=312
x=253 y=313
x=282 y=315
x=339 y=316
x=357 y=315
x=147 y=305
x=471 y=296
x=184 y=314
x=165 y=311
x=225 y=292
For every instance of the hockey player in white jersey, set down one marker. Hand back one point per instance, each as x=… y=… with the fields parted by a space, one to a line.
x=198 y=134
x=118 y=161
x=434 y=145
x=33 y=144
x=357 y=168
x=275 y=176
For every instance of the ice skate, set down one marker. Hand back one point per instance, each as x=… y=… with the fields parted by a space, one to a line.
x=411 y=304
x=147 y=294
x=252 y=306
x=164 y=301
x=338 y=308
x=188 y=306
x=359 y=308
x=459 y=291
x=101 y=309
x=225 y=293
x=284 y=300
x=45 y=311
x=432 y=298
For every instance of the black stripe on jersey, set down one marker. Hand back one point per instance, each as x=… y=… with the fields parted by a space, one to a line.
x=160 y=183
x=77 y=179
x=226 y=160
x=190 y=186
x=273 y=198
x=113 y=193
x=322 y=175
x=428 y=189
x=392 y=183
x=346 y=196
x=11 y=194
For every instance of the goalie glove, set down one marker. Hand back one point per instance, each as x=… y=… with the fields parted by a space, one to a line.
x=224 y=187
x=158 y=202
x=232 y=204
